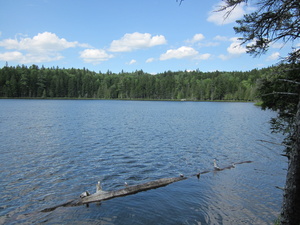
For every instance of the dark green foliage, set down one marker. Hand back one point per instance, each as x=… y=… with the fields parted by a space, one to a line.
x=272 y=21
x=280 y=91
x=34 y=82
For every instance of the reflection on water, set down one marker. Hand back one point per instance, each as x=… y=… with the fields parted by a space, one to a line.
x=52 y=150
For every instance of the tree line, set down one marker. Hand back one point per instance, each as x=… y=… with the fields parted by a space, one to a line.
x=35 y=82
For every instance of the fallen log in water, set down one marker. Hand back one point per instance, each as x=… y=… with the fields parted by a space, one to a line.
x=105 y=195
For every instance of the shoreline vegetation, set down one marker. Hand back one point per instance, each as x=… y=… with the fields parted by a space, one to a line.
x=124 y=99
x=22 y=82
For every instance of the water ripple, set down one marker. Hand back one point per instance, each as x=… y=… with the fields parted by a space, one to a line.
x=53 y=150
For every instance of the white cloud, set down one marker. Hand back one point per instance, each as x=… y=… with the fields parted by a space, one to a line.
x=219 y=18
x=235 y=49
x=28 y=58
x=150 y=60
x=134 y=41
x=220 y=38
x=11 y=56
x=95 y=56
x=182 y=52
x=42 y=42
x=133 y=61
x=203 y=56
x=44 y=47
x=273 y=56
x=224 y=57
x=196 y=38
x=277 y=45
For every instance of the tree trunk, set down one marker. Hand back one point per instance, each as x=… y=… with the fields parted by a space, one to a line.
x=291 y=200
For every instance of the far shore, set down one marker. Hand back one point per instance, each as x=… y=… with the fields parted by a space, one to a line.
x=258 y=103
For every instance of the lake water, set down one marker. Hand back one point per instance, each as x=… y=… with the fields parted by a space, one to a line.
x=53 y=150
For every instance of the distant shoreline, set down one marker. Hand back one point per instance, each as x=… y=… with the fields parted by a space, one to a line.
x=132 y=99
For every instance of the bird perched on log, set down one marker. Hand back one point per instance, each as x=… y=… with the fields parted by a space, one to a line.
x=126 y=185
x=98 y=187
x=198 y=175
x=215 y=165
x=84 y=194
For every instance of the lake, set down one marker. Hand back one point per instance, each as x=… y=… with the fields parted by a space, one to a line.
x=53 y=150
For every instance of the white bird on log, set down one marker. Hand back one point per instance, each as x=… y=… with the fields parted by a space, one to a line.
x=215 y=165
x=84 y=194
x=98 y=187
x=126 y=184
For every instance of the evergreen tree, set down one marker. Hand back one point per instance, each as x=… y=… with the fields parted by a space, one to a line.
x=35 y=82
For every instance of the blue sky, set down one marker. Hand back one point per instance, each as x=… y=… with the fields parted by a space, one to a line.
x=129 y=35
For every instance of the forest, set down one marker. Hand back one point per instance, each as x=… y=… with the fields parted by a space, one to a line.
x=35 y=82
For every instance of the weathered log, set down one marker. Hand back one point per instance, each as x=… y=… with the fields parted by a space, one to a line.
x=105 y=195
x=69 y=203
x=129 y=190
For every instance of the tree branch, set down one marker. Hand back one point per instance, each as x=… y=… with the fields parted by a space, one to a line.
x=280 y=144
x=281 y=93
x=290 y=81
x=180 y=1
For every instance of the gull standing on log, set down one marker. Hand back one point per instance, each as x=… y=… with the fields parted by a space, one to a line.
x=215 y=165
x=98 y=187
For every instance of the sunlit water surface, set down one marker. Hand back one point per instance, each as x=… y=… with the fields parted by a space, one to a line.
x=53 y=150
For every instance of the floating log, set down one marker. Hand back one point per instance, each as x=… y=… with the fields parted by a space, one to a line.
x=129 y=190
x=105 y=195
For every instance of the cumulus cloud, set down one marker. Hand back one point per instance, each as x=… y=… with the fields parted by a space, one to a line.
x=134 y=41
x=43 y=47
x=235 y=49
x=203 y=56
x=11 y=56
x=273 y=56
x=42 y=42
x=196 y=38
x=224 y=57
x=19 y=57
x=150 y=60
x=95 y=56
x=133 y=61
x=277 y=45
x=219 y=18
x=184 y=52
